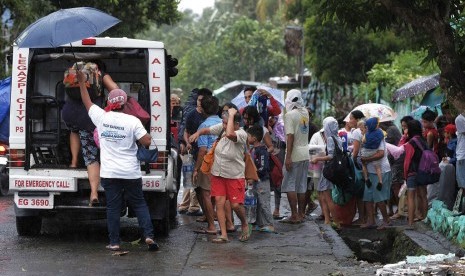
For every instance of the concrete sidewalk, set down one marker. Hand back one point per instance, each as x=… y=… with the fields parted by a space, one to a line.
x=308 y=248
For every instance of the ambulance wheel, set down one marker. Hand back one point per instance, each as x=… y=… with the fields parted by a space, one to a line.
x=162 y=227
x=4 y=181
x=29 y=226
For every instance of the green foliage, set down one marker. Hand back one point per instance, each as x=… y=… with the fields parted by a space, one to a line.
x=220 y=47
x=401 y=68
x=342 y=56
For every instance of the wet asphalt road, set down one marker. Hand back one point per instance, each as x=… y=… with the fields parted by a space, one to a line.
x=78 y=248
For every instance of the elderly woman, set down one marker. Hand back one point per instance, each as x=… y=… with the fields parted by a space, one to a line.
x=330 y=127
x=373 y=196
x=227 y=173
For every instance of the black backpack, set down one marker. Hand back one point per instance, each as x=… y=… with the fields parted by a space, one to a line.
x=339 y=169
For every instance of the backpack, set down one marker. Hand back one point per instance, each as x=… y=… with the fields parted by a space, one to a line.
x=276 y=171
x=94 y=81
x=339 y=169
x=428 y=169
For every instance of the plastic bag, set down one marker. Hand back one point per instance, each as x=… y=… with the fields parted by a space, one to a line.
x=187 y=169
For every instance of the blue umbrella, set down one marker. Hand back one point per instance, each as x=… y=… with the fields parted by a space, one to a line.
x=417 y=112
x=65 y=26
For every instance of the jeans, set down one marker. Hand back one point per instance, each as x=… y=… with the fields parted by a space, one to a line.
x=262 y=190
x=132 y=189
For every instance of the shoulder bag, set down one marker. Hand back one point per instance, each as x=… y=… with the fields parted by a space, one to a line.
x=250 y=168
x=209 y=157
x=147 y=155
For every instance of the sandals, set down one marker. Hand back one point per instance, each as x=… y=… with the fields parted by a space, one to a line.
x=113 y=247
x=288 y=220
x=94 y=202
x=151 y=244
x=245 y=236
x=220 y=239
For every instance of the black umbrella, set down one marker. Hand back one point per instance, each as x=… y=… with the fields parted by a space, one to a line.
x=65 y=26
x=415 y=87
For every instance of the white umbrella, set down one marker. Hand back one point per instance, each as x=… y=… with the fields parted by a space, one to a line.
x=383 y=112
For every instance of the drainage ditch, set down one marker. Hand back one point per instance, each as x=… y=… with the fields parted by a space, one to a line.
x=387 y=246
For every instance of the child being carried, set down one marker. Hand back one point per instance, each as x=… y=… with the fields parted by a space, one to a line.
x=372 y=138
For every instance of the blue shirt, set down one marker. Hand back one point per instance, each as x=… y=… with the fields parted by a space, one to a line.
x=261 y=159
x=208 y=140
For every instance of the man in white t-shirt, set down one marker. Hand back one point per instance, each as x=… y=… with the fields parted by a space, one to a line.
x=296 y=125
x=120 y=168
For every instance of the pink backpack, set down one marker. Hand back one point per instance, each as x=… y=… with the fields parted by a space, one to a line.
x=428 y=168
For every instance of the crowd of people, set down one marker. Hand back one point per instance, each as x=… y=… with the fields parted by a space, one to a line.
x=385 y=161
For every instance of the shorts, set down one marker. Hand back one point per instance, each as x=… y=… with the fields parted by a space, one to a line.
x=203 y=181
x=295 y=180
x=412 y=183
x=89 y=149
x=460 y=173
x=233 y=189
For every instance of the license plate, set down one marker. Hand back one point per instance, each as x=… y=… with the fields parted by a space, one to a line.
x=34 y=202
x=153 y=183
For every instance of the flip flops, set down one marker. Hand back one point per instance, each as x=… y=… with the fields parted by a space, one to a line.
x=267 y=229
x=288 y=220
x=245 y=236
x=220 y=240
x=201 y=219
x=113 y=247
x=396 y=216
x=310 y=209
x=151 y=244
x=204 y=231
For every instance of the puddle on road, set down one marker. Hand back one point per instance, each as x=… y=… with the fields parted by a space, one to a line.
x=387 y=246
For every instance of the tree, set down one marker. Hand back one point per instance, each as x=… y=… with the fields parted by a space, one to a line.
x=220 y=47
x=135 y=16
x=402 y=68
x=438 y=23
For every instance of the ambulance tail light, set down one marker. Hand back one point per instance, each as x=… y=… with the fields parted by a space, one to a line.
x=89 y=41
x=162 y=161
x=17 y=158
x=3 y=149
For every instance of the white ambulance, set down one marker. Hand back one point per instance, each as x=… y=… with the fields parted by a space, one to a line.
x=39 y=154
